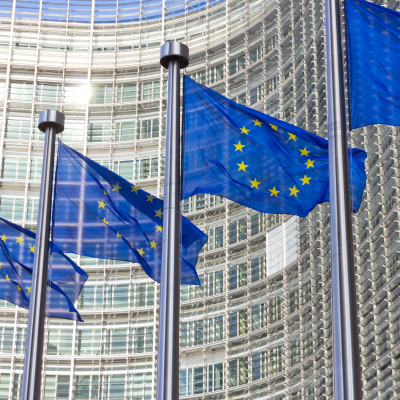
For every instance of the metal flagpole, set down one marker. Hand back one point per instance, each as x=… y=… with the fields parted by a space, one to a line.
x=174 y=56
x=51 y=122
x=346 y=351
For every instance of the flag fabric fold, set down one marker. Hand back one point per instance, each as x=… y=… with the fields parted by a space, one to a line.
x=99 y=214
x=65 y=278
x=373 y=43
x=255 y=160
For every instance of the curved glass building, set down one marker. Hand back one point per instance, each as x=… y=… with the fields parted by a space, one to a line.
x=260 y=326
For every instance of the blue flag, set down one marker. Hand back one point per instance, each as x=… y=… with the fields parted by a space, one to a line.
x=65 y=278
x=256 y=160
x=98 y=214
x=373 y=41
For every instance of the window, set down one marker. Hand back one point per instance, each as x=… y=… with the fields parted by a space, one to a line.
x=215 y=329
x=192 y=292
x=125 y=131
x=111 y=385
x=237 y=231
x=17 y=129
x=99 y=132
x=91 y=298
x=275 y=309
x=255 y=54
x=141 y=340
x=56 y=387
x=237 y=276
x=21 y=91
x=259 y=367
x=258 y=269
x=124 y=169
x=215 y=377
x=216 y=73
x=6 y=339
x=198 y=76
x=257 y=223
x=215 y=282
x=59 y=342
x=276 y=360
x=73 y=132
x=191 y=381
x=271 y=85
x=238 y=371
x=256 y=94
x=237 y=323
x=33 y=206
x=194 y=203
x=215 y=200
x=87 y=342
x=21 y=340
x=146 y=168
x=114 y=341
x=124 y=93
x=142 y=294
x=258 y=317
x=271 y=43
x=294 y=349
x=86 y=387
x=192 y=333
x=36 y=169
x=12 y=209
x=48 y=93
x=139 y=386
x=148 y=128
x=149 y=90
x=14 y=168
x=116 y=296
x=215 y=238
x=237 y=64
x=100 y=94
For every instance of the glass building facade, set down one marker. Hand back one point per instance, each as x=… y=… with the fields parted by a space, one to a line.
x=260 y=325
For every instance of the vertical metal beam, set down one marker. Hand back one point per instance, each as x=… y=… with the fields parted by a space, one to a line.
x=51 y=122
x=174 y=56
x=346 y=351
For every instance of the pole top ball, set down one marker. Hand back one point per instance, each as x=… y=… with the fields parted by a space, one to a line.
x=51 y=118
x=174 y=51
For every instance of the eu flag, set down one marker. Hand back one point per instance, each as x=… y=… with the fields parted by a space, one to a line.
x=256 y=160
x=373 y=41
x=98 y=214
x=65 y=278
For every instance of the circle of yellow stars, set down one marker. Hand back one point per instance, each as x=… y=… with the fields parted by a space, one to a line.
x=158 y=214
x=254 y=183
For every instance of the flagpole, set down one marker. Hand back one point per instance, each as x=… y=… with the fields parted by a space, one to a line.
x=174 y=56
x=346 y=350
x=51 y=122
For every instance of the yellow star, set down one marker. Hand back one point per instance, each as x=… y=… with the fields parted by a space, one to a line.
x=118 y=235
x=29 y=289
x=153 y=244
x=242 y=167
x=104 y=220
x=274 y=192
x=3 y=238
x=1 y=265
x=159 y=213
x=257 y=122
x=134 y=189
x=116 y=187
x=304 y=152
x=305 y=180
x=294 y=191
x=310 y=163
x=141 y=252
x=239 y=146
x=158 y=228
x=102 y=204
x=254 y=183
x=291 y=136
x=150 y=198
x=105 y=192
x=32 y=249
x=7 y=278
x=274 y=127
x=19 y=240
x=19 y=289
x=244 y=130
